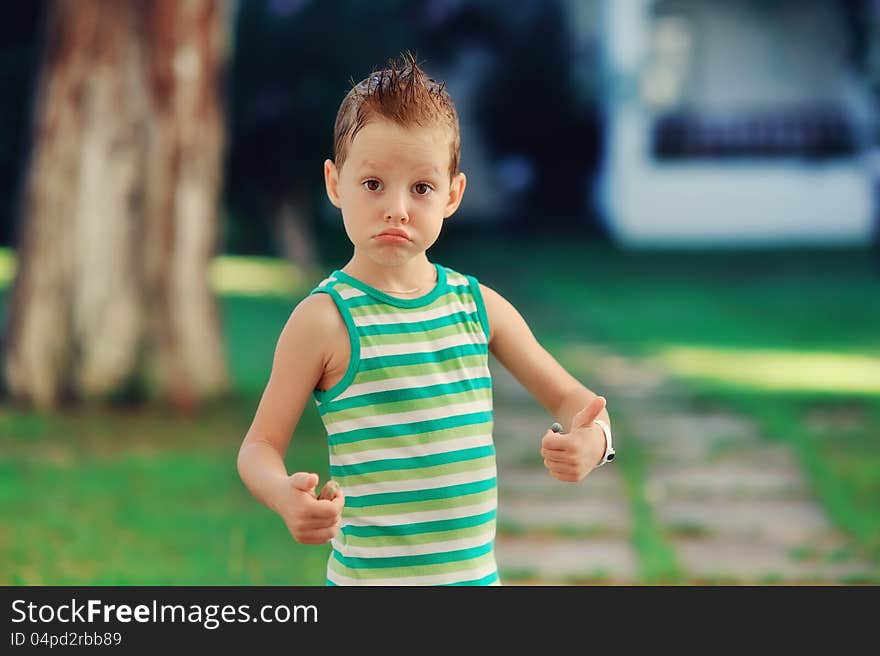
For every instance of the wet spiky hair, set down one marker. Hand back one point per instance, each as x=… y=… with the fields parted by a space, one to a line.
x=401 y=93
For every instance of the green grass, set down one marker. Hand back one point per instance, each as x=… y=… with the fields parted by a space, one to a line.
x=251 y=328
x=165 y=519
x=103 y=495
x=658 y=565
x=142 y=499
x=641 y=302
x=114 y=495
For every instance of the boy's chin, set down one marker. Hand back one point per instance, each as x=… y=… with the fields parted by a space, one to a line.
x=392 y=256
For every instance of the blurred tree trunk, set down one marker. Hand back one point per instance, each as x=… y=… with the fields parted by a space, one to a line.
x=74 y=316
x=119 y=215
x=293 y=231
x=186 y=44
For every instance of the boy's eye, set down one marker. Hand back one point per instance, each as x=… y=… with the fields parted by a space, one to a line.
x=422 y=188
x=372 y=185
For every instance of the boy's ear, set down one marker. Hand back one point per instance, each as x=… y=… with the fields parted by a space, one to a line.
x=331 y=181
x=456 y=191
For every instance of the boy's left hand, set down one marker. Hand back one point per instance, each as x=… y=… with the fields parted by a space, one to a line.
x=571 y=456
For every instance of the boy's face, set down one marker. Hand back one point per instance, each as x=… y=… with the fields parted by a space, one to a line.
x=394 y=177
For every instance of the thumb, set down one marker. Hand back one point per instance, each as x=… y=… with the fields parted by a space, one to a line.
x=586 y=416
x=304 y=481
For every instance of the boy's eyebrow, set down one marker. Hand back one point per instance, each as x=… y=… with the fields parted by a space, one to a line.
x=428 y=168
x=370 y=164
x=425 y=168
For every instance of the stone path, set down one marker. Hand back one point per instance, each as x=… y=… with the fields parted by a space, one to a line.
x=550 y=531
x=733 y=506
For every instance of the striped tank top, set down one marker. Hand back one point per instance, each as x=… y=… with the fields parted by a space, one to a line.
x=409 y=430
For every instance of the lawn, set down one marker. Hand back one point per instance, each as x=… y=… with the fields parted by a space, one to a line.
x=114 y=496
x=121 y=496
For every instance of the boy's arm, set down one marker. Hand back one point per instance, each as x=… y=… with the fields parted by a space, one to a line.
x=512 y=342
x=298 y=365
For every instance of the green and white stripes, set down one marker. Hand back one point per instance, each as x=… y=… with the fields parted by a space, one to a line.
x=410 y=437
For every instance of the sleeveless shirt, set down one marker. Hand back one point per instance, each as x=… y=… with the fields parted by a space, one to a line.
x=409 y=429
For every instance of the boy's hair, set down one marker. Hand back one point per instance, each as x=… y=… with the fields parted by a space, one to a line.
x=401 y=93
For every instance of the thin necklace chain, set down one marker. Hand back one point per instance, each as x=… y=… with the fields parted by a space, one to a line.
x=405 y=291
x=402 y=291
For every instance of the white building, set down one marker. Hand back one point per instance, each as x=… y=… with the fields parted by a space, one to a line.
x=733 y=122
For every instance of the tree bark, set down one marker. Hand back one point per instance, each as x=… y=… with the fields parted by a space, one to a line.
x=75 y=310
x=186 y=46
x=120 y=207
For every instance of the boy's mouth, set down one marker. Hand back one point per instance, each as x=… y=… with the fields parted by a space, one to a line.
x=393 y=234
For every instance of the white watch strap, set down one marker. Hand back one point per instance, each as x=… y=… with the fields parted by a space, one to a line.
x=609 y=447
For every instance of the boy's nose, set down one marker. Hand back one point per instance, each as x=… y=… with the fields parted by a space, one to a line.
x=397 y=211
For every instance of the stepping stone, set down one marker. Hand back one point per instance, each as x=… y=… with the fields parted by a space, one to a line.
x=732 y=479
x=566 y=560
x=784 y=522
x=693 y=453
x=575 y=514
x=699 y=427
x=722 y=560
x=602 y=483
x=751 y=539
x=696 y=439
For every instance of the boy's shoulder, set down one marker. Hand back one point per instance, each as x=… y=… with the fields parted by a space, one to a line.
x=316 y=317
x=319 y=312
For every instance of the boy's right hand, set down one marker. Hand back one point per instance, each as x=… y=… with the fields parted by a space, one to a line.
x=310 y=520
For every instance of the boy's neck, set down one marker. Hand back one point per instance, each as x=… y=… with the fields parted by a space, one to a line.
x=417 y=276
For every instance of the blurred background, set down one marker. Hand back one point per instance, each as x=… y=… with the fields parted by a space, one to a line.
x=681 y=197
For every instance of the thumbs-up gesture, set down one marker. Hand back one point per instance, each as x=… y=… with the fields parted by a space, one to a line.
x=309 y=519
x=571 y=456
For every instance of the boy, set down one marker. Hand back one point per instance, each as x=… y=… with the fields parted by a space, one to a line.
x=394 y=350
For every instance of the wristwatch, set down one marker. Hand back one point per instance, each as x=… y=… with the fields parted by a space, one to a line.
x=609 y=448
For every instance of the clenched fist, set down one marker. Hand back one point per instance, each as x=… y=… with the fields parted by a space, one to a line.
x=310 y=520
